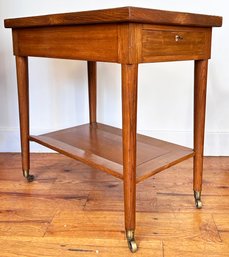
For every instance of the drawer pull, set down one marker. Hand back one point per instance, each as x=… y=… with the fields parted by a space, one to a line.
x=178 y=38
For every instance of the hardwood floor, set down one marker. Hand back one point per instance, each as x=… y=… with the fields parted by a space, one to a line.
x=74 y=210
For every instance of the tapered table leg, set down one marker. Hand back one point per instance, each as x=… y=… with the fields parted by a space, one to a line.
x=200 y=87
x=92 y=90
x=129 y=120
x=23 y=100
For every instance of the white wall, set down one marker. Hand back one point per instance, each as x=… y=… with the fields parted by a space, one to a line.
x=58 y=88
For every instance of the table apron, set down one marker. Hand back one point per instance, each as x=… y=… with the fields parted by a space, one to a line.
x=86 y=42
x=126 y=43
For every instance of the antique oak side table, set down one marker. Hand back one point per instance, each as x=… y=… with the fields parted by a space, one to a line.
x=128 y=36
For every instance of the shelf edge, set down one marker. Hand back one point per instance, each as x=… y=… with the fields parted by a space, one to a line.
x=164 y=167
x=102 y=164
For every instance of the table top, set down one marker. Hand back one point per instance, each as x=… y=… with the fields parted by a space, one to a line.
x=117 y=15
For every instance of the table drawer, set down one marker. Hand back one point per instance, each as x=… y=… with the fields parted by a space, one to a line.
x=175 y=44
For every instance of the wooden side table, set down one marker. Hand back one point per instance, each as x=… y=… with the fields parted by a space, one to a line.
x=128 y=36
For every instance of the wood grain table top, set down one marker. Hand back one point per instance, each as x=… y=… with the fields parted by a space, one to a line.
x=117 y=15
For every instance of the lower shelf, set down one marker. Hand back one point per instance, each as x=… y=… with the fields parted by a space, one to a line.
x=100 y=146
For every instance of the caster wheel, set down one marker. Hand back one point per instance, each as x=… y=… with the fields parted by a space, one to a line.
x=132 y=246
x=131 y=241
x=197 y=196
x=198 y=204
x=30 y=178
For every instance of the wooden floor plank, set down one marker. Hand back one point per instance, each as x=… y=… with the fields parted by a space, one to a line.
x=87 y=224
x=73 y=247
x=186 y=248
x=42 y=201
x=157 y=226
x=222 y=221
x=177 y=226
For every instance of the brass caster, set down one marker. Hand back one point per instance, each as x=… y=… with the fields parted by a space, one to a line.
x=131 y=241
x=197 y=196
x=198 y=204
x=29 y=177
x=132 y=246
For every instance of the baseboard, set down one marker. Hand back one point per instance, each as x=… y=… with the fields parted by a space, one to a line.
x=216 y=143
x=10 y=141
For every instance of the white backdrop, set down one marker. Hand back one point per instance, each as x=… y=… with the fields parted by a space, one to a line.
x=58 y=88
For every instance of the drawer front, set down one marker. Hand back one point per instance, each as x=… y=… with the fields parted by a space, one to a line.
x=170 y=44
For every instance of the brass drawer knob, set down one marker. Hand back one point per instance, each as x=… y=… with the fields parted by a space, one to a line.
x=178 y=38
